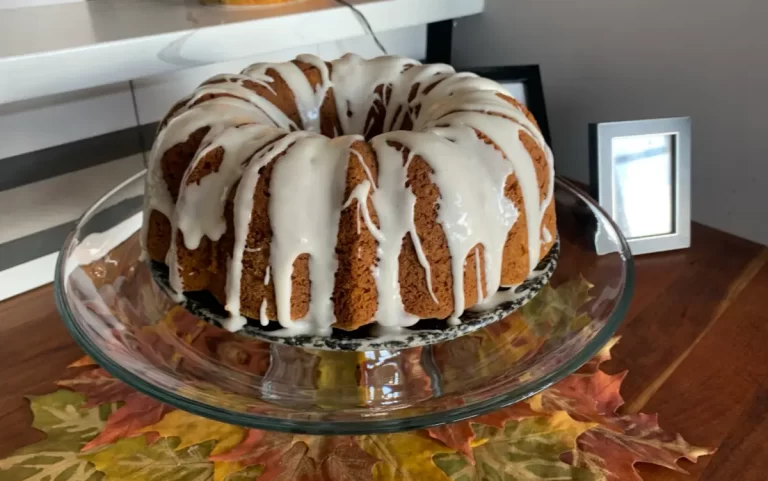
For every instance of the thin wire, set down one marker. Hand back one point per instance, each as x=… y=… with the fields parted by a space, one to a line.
x=142 y=140
x=367 y=24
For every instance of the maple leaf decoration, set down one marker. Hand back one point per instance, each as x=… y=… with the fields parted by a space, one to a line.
x=137 y=412
x=84 y=361
x=288 y=457
x=459 y=436
x=136 y=459
x=640 y=440
x=68 y=425
x=529 y=449
x=617 y=443
x=571 y=431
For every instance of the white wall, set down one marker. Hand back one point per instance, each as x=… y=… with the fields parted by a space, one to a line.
x=606 y=60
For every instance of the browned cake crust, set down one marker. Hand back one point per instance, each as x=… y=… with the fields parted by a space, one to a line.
x=355 y=293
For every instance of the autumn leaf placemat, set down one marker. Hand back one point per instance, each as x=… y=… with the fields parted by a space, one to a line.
x=99 y=428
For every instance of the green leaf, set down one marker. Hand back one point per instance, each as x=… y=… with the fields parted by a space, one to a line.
x=135 y=460
x=63 y=415
x=48 y=461
x=68 y=425
x=527 y=450
x=554 y=311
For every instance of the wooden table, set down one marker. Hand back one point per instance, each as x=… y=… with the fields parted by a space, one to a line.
x=695 y=342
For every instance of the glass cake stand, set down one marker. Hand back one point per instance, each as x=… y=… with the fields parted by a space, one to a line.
x=128 y=324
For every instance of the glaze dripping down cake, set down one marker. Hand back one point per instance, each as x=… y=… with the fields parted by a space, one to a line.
x=338 y=194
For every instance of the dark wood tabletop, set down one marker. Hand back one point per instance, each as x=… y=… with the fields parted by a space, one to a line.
x=695 y=342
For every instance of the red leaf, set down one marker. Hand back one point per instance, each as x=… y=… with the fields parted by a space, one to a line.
x=641 y=440
x=98 y=386
x=309 y=458
x=257 y=447
x=347 y=461
x=293 y=464
x=588 y=398
x=138 y=412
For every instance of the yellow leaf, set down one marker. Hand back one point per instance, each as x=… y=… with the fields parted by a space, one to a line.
x=537 y=403
x=222 y=469
x=404 y=457
x=338 y=371
x=568 y=428
x=528 y=449
x=193 y=430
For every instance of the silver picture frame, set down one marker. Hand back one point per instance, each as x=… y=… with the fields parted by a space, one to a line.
x=641 y=176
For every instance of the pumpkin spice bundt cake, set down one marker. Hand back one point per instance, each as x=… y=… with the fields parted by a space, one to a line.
x=339 y=194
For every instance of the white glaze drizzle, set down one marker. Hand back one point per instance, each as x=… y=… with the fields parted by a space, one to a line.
x=472 y=207
x=355 y=81
x=546 y=235
x=478 y=275
x=308 y=99
x=199 y=209
x=304 y=212
x=309 y=180
x=218 y=114
x=504 y=133
x=263 y=318
x=242 y=214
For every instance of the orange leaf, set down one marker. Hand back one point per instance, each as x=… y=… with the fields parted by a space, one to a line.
x=138 y=412
x=84 y=361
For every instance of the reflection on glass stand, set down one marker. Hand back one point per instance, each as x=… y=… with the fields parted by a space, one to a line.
x=127 y=323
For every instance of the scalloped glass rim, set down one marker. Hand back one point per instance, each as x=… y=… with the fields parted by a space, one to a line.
x=366 y=426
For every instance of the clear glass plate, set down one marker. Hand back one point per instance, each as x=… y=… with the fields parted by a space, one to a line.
x=125 y=322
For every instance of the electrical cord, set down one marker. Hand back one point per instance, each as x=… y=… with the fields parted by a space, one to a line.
x=366 y=23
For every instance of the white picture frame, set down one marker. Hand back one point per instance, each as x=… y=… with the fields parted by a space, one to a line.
x=641 y=176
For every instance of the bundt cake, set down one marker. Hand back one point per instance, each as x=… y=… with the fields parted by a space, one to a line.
x=340 y=194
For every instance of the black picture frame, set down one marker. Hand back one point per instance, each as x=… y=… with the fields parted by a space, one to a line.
x=530 y=77
x=439 y=41
x=439 y=45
